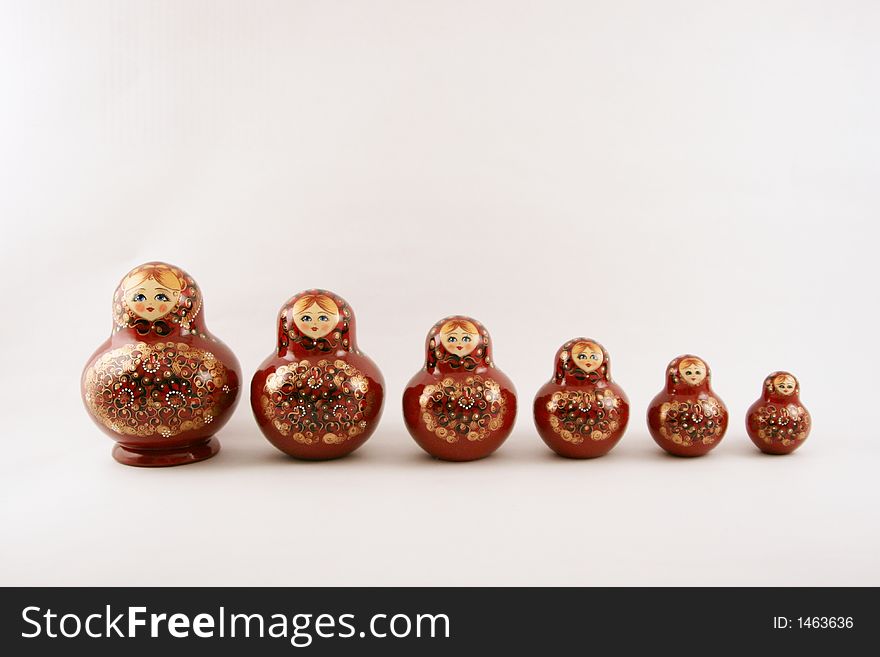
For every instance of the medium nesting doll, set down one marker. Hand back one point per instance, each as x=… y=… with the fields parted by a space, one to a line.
x=460 y=407
x=161 y=385
x=581 y=413
x=778 y=423
x=318 y=396
x=687 y=418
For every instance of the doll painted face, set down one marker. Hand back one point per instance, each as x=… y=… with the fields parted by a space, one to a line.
x=315 y=315
x=152 y=293
x=784 y=384
x=692 y=370
x=587 y=356
x=459 y=337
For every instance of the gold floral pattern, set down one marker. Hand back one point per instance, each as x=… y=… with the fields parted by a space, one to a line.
x=780 y=424
x=165 y=388
x=689 y=422
x=470 y=409
x=578 y=415
x=326 y=401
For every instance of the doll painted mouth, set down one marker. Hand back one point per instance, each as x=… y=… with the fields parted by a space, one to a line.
x=150 y=309
x=459 y=348
x=314 y=328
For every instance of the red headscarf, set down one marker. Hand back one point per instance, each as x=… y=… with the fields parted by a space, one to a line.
x=675 y=384
x=183 y=317
x=771 y=394
x=568 y=371
x=437 y=358
x=342 y=337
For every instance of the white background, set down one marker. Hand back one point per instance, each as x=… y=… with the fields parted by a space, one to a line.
x=663 y=177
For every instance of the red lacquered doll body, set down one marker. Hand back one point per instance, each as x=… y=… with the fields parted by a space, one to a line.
x=460 y=407
x=778 y=423
x=317 y=397
x=687 y=418
x=581 y=413
x=161 y=385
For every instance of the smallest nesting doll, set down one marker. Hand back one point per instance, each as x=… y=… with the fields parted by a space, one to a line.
x=687 y=418
x=581 y=413
x=460 y=406
x=318 y=396
x=777 y=422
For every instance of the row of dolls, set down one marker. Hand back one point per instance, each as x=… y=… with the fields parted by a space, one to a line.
x=162 y=385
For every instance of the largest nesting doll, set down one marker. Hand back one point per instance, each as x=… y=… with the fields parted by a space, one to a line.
x=460 y=406
x=161 y=385
x=317 y=396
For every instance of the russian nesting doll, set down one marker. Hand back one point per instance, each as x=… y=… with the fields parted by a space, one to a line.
x=581 y=413
x=778 y=423
x=318 y=396
x=459 y=407
x=161 y=385
x=687 y=418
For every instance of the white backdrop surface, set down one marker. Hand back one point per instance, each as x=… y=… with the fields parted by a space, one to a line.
x=664 y=177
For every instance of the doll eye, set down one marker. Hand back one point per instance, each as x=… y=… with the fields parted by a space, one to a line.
x=450 y=339
x=697 y=372
x=306 y=318
x=161 y=297
x=689 y=373
x=323 y=318
x=465 y=339
x=139 y=297
x=581 y=357
x=594 y=357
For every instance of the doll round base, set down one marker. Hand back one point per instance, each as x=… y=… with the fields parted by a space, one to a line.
x=161 y=458
x=686 y=455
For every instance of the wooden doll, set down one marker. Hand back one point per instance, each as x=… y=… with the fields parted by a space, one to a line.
x=778 y=423
x=318 y=396
x=460 y=406
x=161 y=385
x=687 y=418
x=581 y=412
